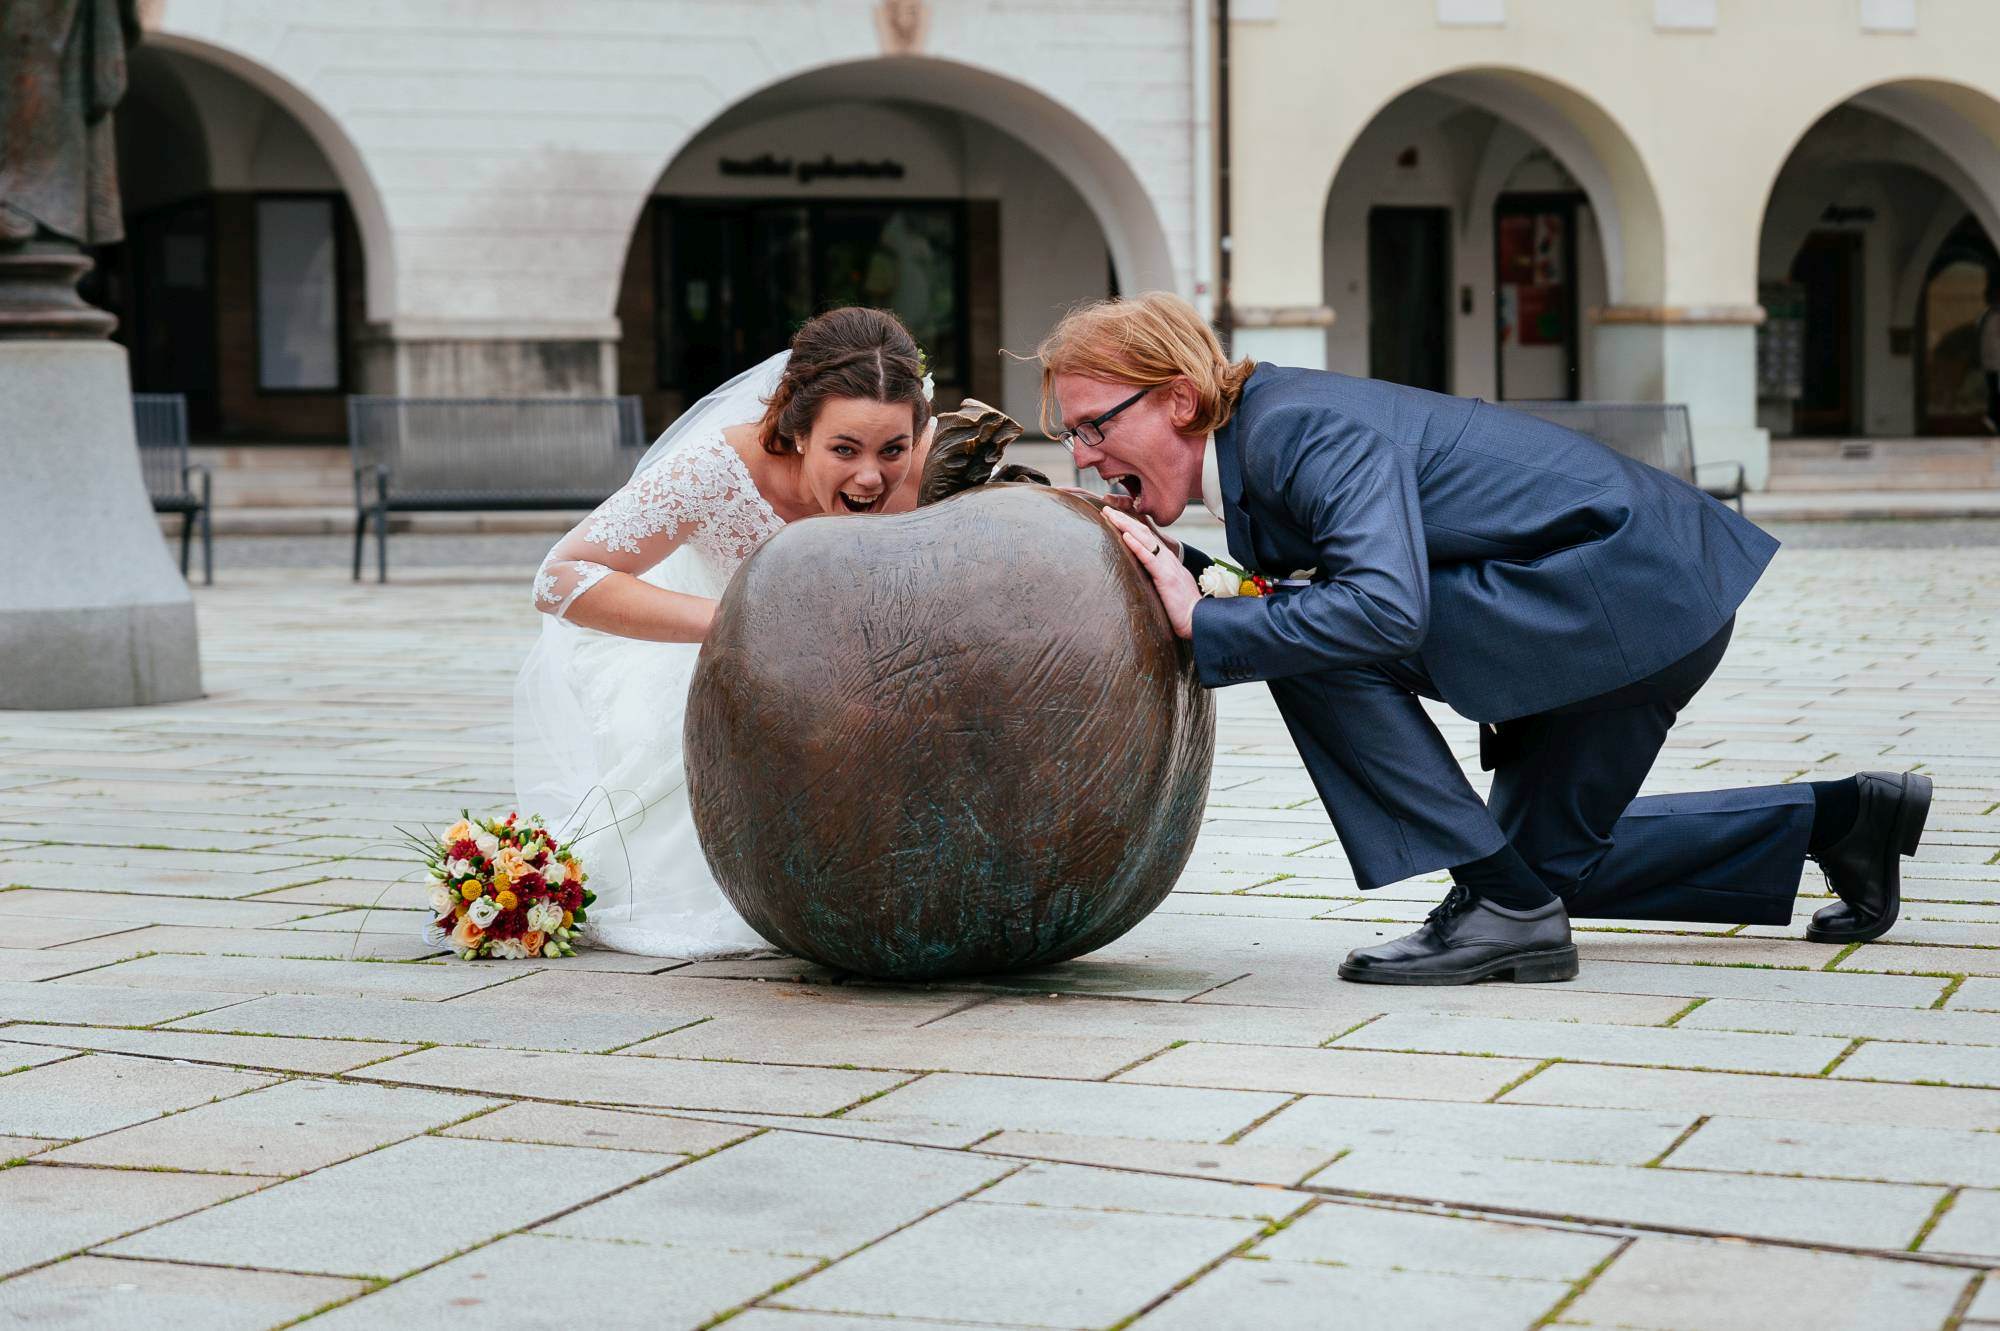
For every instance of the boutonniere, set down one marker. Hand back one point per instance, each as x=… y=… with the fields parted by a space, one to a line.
x=1222 y=578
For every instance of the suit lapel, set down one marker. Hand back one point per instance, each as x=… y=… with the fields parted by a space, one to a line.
x=1229 y=462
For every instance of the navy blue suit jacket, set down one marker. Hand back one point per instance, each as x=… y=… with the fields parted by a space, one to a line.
x=1526 y=565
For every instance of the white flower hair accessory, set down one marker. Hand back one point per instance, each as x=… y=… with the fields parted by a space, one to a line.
x=924 y=368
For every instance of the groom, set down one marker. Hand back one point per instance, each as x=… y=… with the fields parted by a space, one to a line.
x=1568 y=599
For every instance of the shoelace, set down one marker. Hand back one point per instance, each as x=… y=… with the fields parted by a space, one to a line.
x=1456 y=902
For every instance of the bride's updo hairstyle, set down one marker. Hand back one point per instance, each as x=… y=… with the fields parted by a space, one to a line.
x=855 y=352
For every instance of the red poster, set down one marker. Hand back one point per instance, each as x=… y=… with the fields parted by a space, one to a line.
x=1517 y=248
x=1539 y=316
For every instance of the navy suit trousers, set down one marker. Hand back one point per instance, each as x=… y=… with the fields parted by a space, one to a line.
x=1565 y=794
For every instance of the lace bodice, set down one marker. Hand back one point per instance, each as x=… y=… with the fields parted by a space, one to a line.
x=702 y=496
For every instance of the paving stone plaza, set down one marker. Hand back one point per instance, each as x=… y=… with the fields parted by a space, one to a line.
x=237 y=1089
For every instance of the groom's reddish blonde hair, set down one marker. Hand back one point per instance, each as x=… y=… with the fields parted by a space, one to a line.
x=1144 y=341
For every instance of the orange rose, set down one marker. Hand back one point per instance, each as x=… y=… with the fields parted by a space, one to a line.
x=467 y=935
x=532 y=940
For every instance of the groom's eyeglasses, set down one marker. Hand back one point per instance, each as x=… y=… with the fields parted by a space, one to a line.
x=1090 y=433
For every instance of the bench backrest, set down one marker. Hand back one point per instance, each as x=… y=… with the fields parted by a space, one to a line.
x=160 y=421
x=1655 y=433
x=581 y=448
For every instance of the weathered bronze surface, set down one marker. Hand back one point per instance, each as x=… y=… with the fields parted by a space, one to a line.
x=956 y=741
x=62 y=71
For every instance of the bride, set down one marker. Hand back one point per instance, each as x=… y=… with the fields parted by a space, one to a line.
x=837 y=425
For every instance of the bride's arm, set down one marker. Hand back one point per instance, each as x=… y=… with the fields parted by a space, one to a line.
x=591 y=576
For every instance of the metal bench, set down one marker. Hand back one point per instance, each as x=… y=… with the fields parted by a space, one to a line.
x=175 y=484
x=1655 y=433
x=437 y=455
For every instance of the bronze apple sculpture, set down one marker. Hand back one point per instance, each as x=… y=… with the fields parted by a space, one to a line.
x=955 y=741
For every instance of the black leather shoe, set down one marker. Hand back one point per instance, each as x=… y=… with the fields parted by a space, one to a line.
x=1864 y=868
x=1465 y=940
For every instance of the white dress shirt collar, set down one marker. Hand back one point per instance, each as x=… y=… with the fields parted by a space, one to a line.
x=1211 y=481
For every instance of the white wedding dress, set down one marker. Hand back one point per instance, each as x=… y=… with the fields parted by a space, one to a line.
x=598 y=718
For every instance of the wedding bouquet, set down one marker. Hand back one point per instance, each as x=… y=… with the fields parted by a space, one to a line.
x=503 y=888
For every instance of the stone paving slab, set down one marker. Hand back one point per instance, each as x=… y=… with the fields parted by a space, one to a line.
x=1274 y=1164
x=471 y=1020
x=1871 y=1215
x=125 y=909
x=1527 y=1132
x=1242 y=1295
x=605 y=1129
x=1952 y=1065
x=1825 y=1100
x=788 y=1193
x=1583 y=1042
x=1017 y=1265
x=1380 y=1239
x=615 y=1079
x=1336 y=1071
x=394 y=1210
x=259 y=975
x=104 y=1294
x=286 y=1129
x=1661 y=1284
x=262 y=1052
x=1097 y=1108
x=1919 y=1025
x=80 y=1097
x=48 y=1212
x=605 y=1286
x=1971 y=1226
x=55 y=1001
x=278 y=942
x=1889 y=1152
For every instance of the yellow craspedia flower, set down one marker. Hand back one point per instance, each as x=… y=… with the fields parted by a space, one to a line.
x=569 y=918
x=501 y=882
x=1249 y=588
x=470 y=889
x=507 y=900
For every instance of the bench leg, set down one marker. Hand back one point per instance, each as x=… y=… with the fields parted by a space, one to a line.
x=187 y=532
x=360 y=538
x=381 y=545
x=207 y=546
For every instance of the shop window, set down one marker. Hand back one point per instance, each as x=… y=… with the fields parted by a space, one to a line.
x=298 y=295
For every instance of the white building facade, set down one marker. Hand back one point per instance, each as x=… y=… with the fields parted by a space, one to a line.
x=641 y=196
x=1507 y=198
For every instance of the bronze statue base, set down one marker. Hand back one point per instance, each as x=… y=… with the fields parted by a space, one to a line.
x=38 y=297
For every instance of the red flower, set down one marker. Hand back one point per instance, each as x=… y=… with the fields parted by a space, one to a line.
x=571 y=896
x=464 y=849
x=509 y=924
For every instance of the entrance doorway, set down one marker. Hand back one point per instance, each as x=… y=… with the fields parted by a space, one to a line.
x=1828 y=269
x=738 y=277
x=1409 y=296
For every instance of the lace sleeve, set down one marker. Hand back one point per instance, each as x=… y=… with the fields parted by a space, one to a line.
x=642 y=524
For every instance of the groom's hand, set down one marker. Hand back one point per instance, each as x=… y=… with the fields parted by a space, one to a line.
x=1162 y=564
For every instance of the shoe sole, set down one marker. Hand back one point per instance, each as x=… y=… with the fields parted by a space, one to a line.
x=1551 y=966
x=1916 y=810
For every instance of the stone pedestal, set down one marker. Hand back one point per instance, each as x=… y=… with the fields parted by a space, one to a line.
x=93 y=612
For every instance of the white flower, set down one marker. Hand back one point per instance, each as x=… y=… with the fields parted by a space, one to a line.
x=545 y=916
x=930 y=387
x=489 y=845
x=483 y=910
x=441 y=899
x=457 y=868
x=1215 y=580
